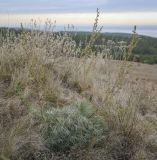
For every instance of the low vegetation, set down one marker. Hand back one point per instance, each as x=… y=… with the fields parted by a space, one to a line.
x=61 y=101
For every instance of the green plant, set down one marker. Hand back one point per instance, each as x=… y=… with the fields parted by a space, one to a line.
x=71 y=127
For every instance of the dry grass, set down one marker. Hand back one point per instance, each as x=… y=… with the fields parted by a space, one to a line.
x=41 y=72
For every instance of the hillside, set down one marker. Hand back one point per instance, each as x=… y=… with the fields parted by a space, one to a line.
x=60 y=101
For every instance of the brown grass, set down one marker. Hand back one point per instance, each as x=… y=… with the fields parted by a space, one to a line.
x=40 y=71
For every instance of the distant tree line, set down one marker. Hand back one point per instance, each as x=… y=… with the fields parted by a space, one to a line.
x=145 y=51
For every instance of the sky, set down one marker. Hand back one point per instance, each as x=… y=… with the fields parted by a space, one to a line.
x=115 y=15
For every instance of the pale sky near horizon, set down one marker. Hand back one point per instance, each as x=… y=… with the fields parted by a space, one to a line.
x=80 y=12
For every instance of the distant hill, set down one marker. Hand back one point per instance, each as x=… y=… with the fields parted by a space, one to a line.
x=146 y=49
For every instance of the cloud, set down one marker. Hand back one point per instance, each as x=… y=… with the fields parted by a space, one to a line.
x=72 y=6
x=132 y=5
x=49 y=6
x=130 y=18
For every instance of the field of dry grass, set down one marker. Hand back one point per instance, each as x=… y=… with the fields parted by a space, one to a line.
x=56 y=105
x=145 y=72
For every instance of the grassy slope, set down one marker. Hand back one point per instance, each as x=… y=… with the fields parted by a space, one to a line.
x=55 y=105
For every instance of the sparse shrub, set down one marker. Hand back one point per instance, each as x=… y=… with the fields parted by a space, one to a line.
x=71 y=127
